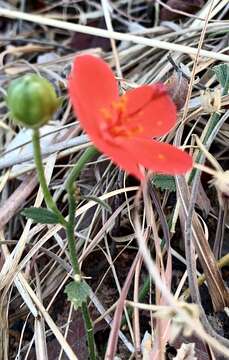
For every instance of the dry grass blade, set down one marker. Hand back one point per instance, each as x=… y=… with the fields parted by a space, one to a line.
x=8 y=270
x=162 y=328
x=52 y=148
x=68 y=351
x=39 y=327
x=113 y=35
x=14 y=202
x=218 y=342
x=113 y=337
x=218 y=290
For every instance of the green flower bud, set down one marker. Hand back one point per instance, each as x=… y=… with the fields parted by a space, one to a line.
x=32 y=100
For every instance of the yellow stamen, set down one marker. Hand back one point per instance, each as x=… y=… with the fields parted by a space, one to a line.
x=117 y=120
x=120 y=104
x=106 y=114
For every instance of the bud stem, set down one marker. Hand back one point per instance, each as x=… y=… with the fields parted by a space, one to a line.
x=40 y=170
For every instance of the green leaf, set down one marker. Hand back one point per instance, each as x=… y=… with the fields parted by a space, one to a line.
x=77 y=292
x=164 y=182
x=40 y=215
x=222 y=75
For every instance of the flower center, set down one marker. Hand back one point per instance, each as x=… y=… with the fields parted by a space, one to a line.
x=117 y=122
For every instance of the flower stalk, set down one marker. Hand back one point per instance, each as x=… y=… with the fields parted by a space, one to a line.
x=41 y=176
x=71 y=190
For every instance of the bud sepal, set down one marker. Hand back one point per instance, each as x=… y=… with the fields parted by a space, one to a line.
x=32 y=100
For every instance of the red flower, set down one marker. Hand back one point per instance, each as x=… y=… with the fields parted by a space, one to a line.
x=122 y=127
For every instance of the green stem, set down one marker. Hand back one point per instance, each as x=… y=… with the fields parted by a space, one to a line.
x=70 y=231
x=71 y=189
x=41 y=175
x=75 y=172
x=89 y=331
x=70 y=224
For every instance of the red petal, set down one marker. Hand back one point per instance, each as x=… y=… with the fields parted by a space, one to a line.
x=125 y=161
x=91 y=86
x=120 y=156
x=151 y=108
x=159 y=157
